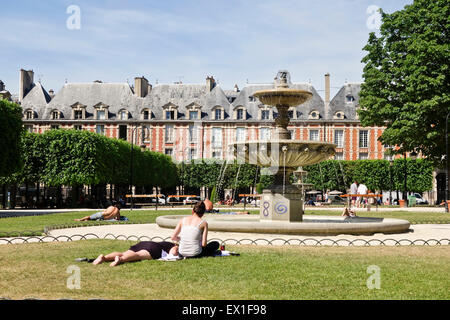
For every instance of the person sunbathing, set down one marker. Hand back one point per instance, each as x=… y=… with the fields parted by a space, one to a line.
x=111 y=213
x=144 y=250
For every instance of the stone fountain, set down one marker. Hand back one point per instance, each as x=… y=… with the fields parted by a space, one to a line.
x=281 y=209
x=282 y=200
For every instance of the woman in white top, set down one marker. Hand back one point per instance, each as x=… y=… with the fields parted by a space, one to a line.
x=192 y=235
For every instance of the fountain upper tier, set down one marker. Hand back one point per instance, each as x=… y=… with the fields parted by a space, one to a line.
x=283 y=97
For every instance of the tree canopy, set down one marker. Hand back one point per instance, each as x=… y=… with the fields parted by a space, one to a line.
x=10 y=137
x=406 y=85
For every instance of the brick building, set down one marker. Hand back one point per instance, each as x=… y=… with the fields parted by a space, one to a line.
x=189 y=121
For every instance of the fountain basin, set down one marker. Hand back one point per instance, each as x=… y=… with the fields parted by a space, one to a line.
x=311 y=225
x=283 y=96
x=283 y=152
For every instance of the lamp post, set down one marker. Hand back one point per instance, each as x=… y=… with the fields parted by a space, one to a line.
x=391 y=164
x=133 y=130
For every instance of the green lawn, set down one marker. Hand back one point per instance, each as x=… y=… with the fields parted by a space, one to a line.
x=39 y=271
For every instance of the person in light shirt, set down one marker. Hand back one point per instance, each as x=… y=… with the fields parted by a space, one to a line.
x=362 y=190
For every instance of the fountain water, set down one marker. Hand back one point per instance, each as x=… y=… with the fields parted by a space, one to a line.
x=281 y=209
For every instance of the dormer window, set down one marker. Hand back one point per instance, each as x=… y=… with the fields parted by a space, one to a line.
x=265 y=114
x=339 y=115
x=195 y=111
x=29 y=114
x=101 y=111
x=171 y=112
x=78 y=111
x=56 y=115
x=123 y=115
x=349 y=98
x=314 y=115
x=146 y=114
x=193 y=115
x=251 y=99
x=78 y=114
x=240 y=113
x=292 y=113
x=218 y=113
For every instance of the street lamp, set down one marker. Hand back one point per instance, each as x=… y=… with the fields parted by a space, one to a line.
x=133 y=130
x=391 y=164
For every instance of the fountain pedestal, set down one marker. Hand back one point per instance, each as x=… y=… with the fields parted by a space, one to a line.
x=276 y=206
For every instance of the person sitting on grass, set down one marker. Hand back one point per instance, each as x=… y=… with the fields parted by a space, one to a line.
x=144 y=250
x=111 y=213
x=348 y=212
x=209 y=208
x=192 y=235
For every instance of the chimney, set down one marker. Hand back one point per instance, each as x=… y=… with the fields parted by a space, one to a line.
x=2 y=85
x=26 y=83
x=327 y=90
x=149 y=88
x=210 y=83
x=236 y=88
x=141 y=87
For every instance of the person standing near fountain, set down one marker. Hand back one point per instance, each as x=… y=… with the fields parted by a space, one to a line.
x=192 y=235
x=354 y=190
x=362 y=190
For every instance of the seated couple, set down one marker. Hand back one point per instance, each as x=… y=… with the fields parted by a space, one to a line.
x=190 y=237
x=111 y=213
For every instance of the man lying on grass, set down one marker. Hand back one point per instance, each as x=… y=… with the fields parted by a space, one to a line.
x=111 y=213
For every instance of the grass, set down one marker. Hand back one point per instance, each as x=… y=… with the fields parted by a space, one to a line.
x=39 y=271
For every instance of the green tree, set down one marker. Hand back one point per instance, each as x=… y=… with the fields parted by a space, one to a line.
x=10 y=137
x=406 y=78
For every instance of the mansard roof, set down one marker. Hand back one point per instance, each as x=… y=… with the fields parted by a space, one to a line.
x=340 y=102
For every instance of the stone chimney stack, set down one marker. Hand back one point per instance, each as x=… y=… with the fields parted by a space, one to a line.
x=141 y=87
x=2 y=85
x=327 y=90
x=210 y=83
x=26 y=83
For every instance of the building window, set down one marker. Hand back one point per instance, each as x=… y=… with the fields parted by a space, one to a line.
x=291 y=114
x=100 y=129
x=264 y=134
x=168 y=151
x=240 y=114
x=170 y=115
x=363 y=139
x=123 y=132
x=218 y=114
x=265 y=114
x=217 y=154
x=349 y=98
x=101 y=114
x=314 y=135
x=193 y=115
x=123 y=115
x=54 y=127
x=55 y=115
x=193 y=133
x=146 y=115
x=29 y=115
x=339 y=138
x=29 y=128
x=339 y=156
x=78 y=127
x=241 y=134
x=192 y=154
x=169 y=133
x=339 y=115
x=216 y=139
x=363 y=156
x=292 y=133
x=78 y=114
x=314 y=115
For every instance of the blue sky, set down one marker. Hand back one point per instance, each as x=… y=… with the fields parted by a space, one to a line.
x=167 y=41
